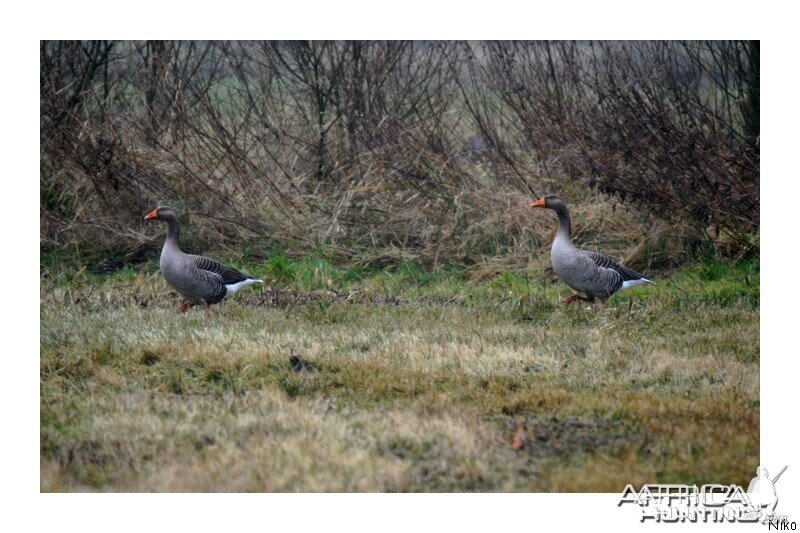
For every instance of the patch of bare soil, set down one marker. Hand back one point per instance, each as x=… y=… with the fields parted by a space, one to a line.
x=541 y=438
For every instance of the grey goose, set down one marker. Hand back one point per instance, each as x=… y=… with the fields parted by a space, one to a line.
x=201 y=281
x=594 y=274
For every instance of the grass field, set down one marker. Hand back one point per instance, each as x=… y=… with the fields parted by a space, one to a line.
x=357 y=380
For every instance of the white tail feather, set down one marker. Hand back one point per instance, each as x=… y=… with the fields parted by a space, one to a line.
x=233 y=287
x=634 y=282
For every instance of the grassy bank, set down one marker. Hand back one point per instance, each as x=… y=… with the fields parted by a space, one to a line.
x=402 y=380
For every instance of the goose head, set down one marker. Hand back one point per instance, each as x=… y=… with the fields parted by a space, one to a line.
x=551 y=201
x=554 y=202
x=163 y=213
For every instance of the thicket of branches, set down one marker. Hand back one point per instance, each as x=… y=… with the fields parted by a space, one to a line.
x=384 y=150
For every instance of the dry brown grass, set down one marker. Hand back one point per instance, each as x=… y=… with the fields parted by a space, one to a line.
x=384 y=152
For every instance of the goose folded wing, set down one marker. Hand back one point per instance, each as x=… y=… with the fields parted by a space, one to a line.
x=228 y=274
x=603 y=261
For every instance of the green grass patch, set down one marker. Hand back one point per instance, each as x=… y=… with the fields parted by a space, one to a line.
x=397 y=380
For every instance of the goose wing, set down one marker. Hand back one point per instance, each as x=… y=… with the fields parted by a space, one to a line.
x=227 y=275
x=603 y=261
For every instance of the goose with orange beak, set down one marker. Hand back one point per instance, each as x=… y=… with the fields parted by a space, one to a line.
x=595 y=275
x=201 y=281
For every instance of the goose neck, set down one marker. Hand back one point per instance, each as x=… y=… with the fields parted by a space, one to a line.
x=564 y=223
x=173 y=231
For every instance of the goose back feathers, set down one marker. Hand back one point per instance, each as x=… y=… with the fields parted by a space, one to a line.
x=592 y=273
x=199 y=279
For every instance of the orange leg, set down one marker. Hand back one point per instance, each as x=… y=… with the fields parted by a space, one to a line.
x=185 y=305
x=572 y=298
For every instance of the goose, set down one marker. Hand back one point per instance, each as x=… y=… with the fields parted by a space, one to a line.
x=201 y=281
x=594 y=274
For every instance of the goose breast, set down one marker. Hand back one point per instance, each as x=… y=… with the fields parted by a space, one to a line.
x=195 y=285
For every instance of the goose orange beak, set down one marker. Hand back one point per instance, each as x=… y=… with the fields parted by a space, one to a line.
x=152 y=215
x=538 y=203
